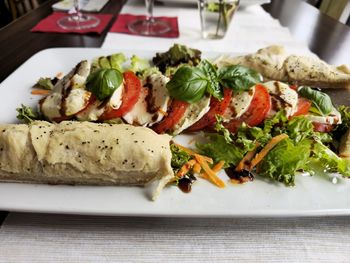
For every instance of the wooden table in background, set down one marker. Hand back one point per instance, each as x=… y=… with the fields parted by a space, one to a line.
x=327 y=38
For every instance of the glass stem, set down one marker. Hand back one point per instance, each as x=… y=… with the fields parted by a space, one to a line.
x=221 y=6
x=77 y=9
x=149 y=7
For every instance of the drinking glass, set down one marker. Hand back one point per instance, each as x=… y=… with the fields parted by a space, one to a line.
x=216 y=16
x=149 y=26
x=78 y=20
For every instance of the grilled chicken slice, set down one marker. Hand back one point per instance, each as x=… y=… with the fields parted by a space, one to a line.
x=68 y=96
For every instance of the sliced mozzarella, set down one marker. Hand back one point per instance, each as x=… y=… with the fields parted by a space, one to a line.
x=192 y=114
x=115 y=100
x=76 y=101
x=75 y=98
x=95 y=110
x=239 y=103
x=283 y=97
x=139 y=114
x=75 y=78
x=152 y=104
x=50 y=106
x=92 y=112
x=333 y=118
x=159 y=100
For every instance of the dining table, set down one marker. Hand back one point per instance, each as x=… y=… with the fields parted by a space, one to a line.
x=92 y=238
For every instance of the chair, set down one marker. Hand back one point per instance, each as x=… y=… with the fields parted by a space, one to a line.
x=20 y=7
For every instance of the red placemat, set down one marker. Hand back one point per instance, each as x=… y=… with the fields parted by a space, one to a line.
x=121 y=25
x=49 y=24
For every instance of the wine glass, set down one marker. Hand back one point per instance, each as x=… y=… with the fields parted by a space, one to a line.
x=149 y=26
x=78 y=20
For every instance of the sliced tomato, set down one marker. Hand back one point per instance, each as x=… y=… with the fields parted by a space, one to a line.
x=176 y=110
x=131 y=94
x=303 y=107
x=322 y=127
x=257 y=111
x=217 y=107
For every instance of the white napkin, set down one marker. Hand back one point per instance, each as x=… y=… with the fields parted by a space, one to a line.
x=251 y=29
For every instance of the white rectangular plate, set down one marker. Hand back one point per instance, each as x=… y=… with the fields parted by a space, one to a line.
x=311 y=196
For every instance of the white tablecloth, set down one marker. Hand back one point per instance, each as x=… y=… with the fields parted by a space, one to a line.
x=251 y=28
x=59 y=238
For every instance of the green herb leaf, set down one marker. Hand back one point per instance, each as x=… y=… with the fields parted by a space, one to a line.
x=27 y=114
x=188 y=84
x=213 y=87
x=238 y=77
x=103 y=82
x=321 y=102
x=179 y=157
x=44 y=83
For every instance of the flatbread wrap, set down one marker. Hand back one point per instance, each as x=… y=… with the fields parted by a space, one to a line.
x=274 y=63
x=83 y=153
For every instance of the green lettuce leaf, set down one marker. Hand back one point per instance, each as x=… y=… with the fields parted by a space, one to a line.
x=284 y=160
x=176 y=55
x=329 y=161
x=218 y=149
x=139 y=64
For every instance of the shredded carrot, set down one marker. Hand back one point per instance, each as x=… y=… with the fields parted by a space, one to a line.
x=247 y=158
x=209 y=172
x=185 y=168
x=218 y=166
x=197 y=168
x=209 y=160
x=204 y=176
x=40 y=92
x=268 y=147
x=162 y=112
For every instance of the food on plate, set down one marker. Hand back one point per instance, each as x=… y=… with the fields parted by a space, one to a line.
x=84 y=153
x=274 y=63
x=255 y=118
x=176 y=56
x=344 y=148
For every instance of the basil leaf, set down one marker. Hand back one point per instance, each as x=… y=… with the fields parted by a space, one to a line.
x=238 y=77
x=103 y=82
x=188 y=84
x=213 y=87
x=321 y=102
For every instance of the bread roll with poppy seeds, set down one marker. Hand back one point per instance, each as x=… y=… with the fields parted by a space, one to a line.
x=83 y=153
